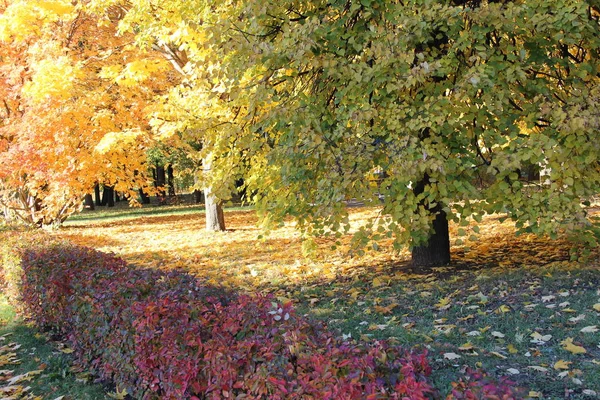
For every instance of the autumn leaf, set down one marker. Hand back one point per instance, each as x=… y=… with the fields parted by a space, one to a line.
x=571 y=347
x=561 y=364
x=589 y=329
x=451 y=356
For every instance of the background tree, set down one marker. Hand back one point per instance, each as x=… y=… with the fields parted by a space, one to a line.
x=73 y=108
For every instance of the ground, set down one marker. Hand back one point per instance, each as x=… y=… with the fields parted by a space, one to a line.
x=517 y=307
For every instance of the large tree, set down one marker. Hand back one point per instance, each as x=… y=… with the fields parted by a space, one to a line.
x=452 y=99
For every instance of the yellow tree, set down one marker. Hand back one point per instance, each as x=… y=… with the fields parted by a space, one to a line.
x=74 y=109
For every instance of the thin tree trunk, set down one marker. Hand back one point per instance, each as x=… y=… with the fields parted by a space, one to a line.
x=215 y=219
x=171 y=180
x=97 y=194
x=88 y=202
x=436 y=251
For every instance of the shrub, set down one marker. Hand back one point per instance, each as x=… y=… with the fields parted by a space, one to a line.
x=161 y=334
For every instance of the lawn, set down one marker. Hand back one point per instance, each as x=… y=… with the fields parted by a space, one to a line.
x=517 y=307
x=32 y=367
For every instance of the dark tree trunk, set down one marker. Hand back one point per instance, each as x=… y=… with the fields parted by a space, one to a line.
x=159 y=183
x=88 y=202
x=108 y=196
x=97 y=194
x=215 y=219
x=198 y=196
x=171 y=180
x=117 y=197
x=436 y=251
x=144 y=198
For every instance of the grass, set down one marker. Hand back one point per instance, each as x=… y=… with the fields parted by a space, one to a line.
x=485 y=310
x=51 y=372
x=122 y=211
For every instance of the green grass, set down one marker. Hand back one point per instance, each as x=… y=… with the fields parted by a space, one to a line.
x=123 y=212
x=58 y=377
x=441 y=311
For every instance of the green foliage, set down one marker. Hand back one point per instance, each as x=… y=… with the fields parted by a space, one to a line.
x=308 y=98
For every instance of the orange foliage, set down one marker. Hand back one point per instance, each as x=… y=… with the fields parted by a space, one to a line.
x=66 y=124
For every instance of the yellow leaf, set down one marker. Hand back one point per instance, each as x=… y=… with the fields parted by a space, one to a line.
x=495 y=353
x=466 y=347
x=67 y=350
x=572 y=348
x=561 y=364
x=596 y=307
x=444 y=303
x=533 y=394
x=512 y=349
x=377 y=282
x=119 y=395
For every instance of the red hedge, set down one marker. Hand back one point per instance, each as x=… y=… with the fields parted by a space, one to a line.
x=162 y=335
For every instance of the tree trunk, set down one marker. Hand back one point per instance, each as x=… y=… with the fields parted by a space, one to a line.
x=144 y=198
x=88 y=202
x=108 y=196
x=198 y=196
x=170 y=180
x=97 y=194
x=215 y=219
x=436 y=251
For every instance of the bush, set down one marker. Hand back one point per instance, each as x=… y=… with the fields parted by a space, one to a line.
x=160 y=334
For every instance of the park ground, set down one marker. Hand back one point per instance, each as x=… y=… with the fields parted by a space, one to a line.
x=523 y=308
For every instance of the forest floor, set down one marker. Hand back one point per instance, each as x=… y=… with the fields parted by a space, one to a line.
x=517 y=307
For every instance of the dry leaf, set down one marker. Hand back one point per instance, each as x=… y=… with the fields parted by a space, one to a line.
x=538 y=368
x=498 y=355
x=498 y=334
x=589 y=329
x=572 y=348
x=562 y=364
x=451 y=356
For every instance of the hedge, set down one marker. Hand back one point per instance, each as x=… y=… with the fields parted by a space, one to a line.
x=159 y=334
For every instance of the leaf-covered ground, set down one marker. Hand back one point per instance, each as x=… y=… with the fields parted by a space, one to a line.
x=514 y=306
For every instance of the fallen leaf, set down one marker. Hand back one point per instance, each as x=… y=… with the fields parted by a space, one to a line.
x=562 y=364
x=451 y=356
x=578 y=318
x=589 y=329
x=513 y=371
x=497 y=334
x=533 y=394
x=572 y=348
x=512 y=349
x=596 y=307
x=538 y=368
x=466 y=347
x=498 y=355
x=67 y=350
x=118 y=395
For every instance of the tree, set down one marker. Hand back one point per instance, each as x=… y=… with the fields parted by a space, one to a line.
x=310 y=97
x=73 y=108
